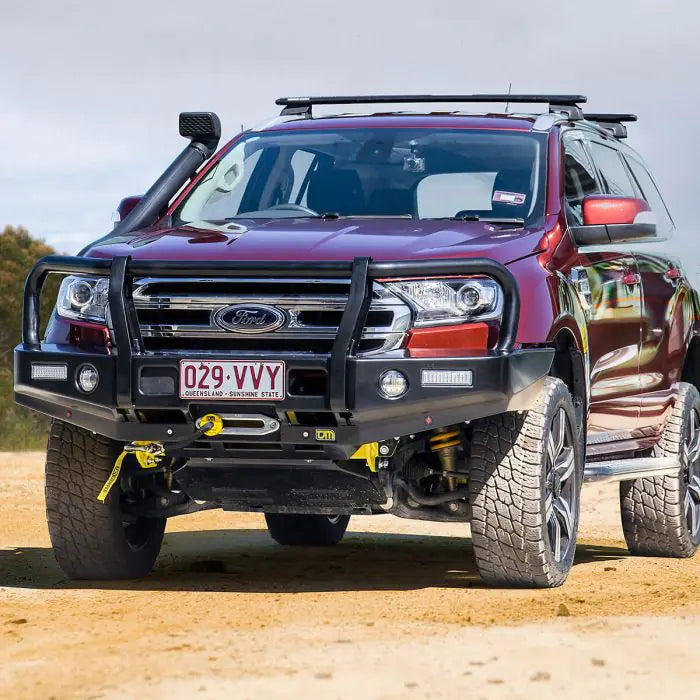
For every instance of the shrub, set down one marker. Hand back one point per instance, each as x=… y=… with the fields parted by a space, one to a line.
x=20 y=429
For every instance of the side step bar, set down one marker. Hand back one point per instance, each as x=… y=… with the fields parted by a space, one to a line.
x=627 y=469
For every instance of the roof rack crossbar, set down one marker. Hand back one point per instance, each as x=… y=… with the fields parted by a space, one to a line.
x=610 y=118
x=612 y=123
x=302 y=105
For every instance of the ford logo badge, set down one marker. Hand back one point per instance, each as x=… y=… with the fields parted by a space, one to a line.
x=249 y=318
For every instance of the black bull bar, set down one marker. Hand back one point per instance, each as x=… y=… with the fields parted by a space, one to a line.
x=362 y=271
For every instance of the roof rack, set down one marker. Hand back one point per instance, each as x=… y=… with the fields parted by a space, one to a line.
x=569 y=104
x=612 y=122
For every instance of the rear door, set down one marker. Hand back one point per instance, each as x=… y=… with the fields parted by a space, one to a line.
x=607 y=280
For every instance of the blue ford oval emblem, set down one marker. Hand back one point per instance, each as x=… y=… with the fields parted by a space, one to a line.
x=249 y=318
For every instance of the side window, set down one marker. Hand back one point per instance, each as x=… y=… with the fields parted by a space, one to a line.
x=612 y=171
x=579 y=179
x=651 y=194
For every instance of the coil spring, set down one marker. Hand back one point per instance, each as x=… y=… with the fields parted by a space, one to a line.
x=445 y=442
x=441 y=441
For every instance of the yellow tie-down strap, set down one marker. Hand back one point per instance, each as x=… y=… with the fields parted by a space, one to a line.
x=369 y=452
x=146 y=459
x=149 y=457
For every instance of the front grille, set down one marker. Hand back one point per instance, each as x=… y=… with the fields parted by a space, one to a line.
x=177 y=315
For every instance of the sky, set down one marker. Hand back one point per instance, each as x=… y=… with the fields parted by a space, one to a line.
x=90 y=91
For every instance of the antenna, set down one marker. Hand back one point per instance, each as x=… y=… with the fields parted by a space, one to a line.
x=510 y=87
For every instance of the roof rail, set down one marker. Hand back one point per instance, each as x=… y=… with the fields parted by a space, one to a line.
x=557 y=103
x=612 y=123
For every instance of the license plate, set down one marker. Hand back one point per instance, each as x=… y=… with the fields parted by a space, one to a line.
x=231 y=380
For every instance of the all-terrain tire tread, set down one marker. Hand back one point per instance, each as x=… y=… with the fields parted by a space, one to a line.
x=87 y=542
x=506 y=484
x=653 y=518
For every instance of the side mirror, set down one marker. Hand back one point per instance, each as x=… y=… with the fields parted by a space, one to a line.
x=125 y=206
x=612 y=219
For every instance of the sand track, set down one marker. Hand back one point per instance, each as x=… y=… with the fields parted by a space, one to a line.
x=397 y=610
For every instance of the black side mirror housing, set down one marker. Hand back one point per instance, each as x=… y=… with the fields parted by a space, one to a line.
x=601 y=234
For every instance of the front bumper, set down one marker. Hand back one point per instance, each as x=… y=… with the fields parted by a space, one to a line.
x=348 y=413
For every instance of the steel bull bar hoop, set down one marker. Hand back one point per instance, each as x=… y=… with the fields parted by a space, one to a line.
x=35 y=281
x=362 y=272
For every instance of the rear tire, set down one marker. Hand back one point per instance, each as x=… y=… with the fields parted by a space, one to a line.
x=526 y=471
x=306 y=530
x=93 y=540
x=661 y=514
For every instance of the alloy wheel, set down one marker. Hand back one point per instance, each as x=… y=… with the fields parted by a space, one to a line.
x=561 y=493
x=690 y=460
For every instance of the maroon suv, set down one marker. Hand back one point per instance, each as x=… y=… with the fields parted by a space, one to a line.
x=440 y=315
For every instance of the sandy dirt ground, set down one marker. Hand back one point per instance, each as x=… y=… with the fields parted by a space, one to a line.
x=396 y=611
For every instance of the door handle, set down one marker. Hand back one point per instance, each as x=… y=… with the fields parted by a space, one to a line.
x=631 y=279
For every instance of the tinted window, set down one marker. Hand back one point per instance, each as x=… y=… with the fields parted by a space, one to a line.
x=612 y=171
x=651 y=194
x=579 y=179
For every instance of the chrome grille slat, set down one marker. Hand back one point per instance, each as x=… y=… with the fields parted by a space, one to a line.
x=169 y=298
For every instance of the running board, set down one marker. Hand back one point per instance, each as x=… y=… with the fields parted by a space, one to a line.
x=628 y=469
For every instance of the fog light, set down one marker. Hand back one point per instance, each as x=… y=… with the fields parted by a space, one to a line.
x=87 y=379
x=55 y=372
x=392 y=384
x=446 y=377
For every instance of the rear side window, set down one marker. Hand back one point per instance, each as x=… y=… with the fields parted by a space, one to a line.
x=651 y=194
x=579 y=179
x=612 y=171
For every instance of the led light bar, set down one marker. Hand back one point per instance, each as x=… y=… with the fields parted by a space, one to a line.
x=51 y=372
x=446 y=377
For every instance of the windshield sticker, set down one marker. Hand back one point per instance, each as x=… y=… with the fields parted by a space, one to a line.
x=509 y=197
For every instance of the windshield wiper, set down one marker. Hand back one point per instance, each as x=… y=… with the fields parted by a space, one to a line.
x=515 y=221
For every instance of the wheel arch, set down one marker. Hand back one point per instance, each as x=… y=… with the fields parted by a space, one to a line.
x=569 y=365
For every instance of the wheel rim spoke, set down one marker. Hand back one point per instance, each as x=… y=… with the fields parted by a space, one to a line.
x=557 y=434
x=691 y=445
x=691 y=514
x=556 y=536
x=565 y=464
x=692 y=505
x=694 y=488
x=564 y=515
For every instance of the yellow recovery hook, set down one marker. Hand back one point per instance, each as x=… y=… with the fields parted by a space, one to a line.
x=149 y=454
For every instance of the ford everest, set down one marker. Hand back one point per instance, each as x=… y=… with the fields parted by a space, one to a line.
x=449 y=316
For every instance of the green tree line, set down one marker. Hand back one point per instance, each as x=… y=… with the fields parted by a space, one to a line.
x=20 y=429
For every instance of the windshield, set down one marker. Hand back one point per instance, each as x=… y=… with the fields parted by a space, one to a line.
x=421 y=173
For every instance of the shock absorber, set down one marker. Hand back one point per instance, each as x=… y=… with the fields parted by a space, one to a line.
x=444 y=443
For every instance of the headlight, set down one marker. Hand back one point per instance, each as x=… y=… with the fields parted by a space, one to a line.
x=83 y=298
x=437 y=301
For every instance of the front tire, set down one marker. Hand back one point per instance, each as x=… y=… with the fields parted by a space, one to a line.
x=93 y=540
x=306 y=530
x=526 y=471
x=661 y=514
